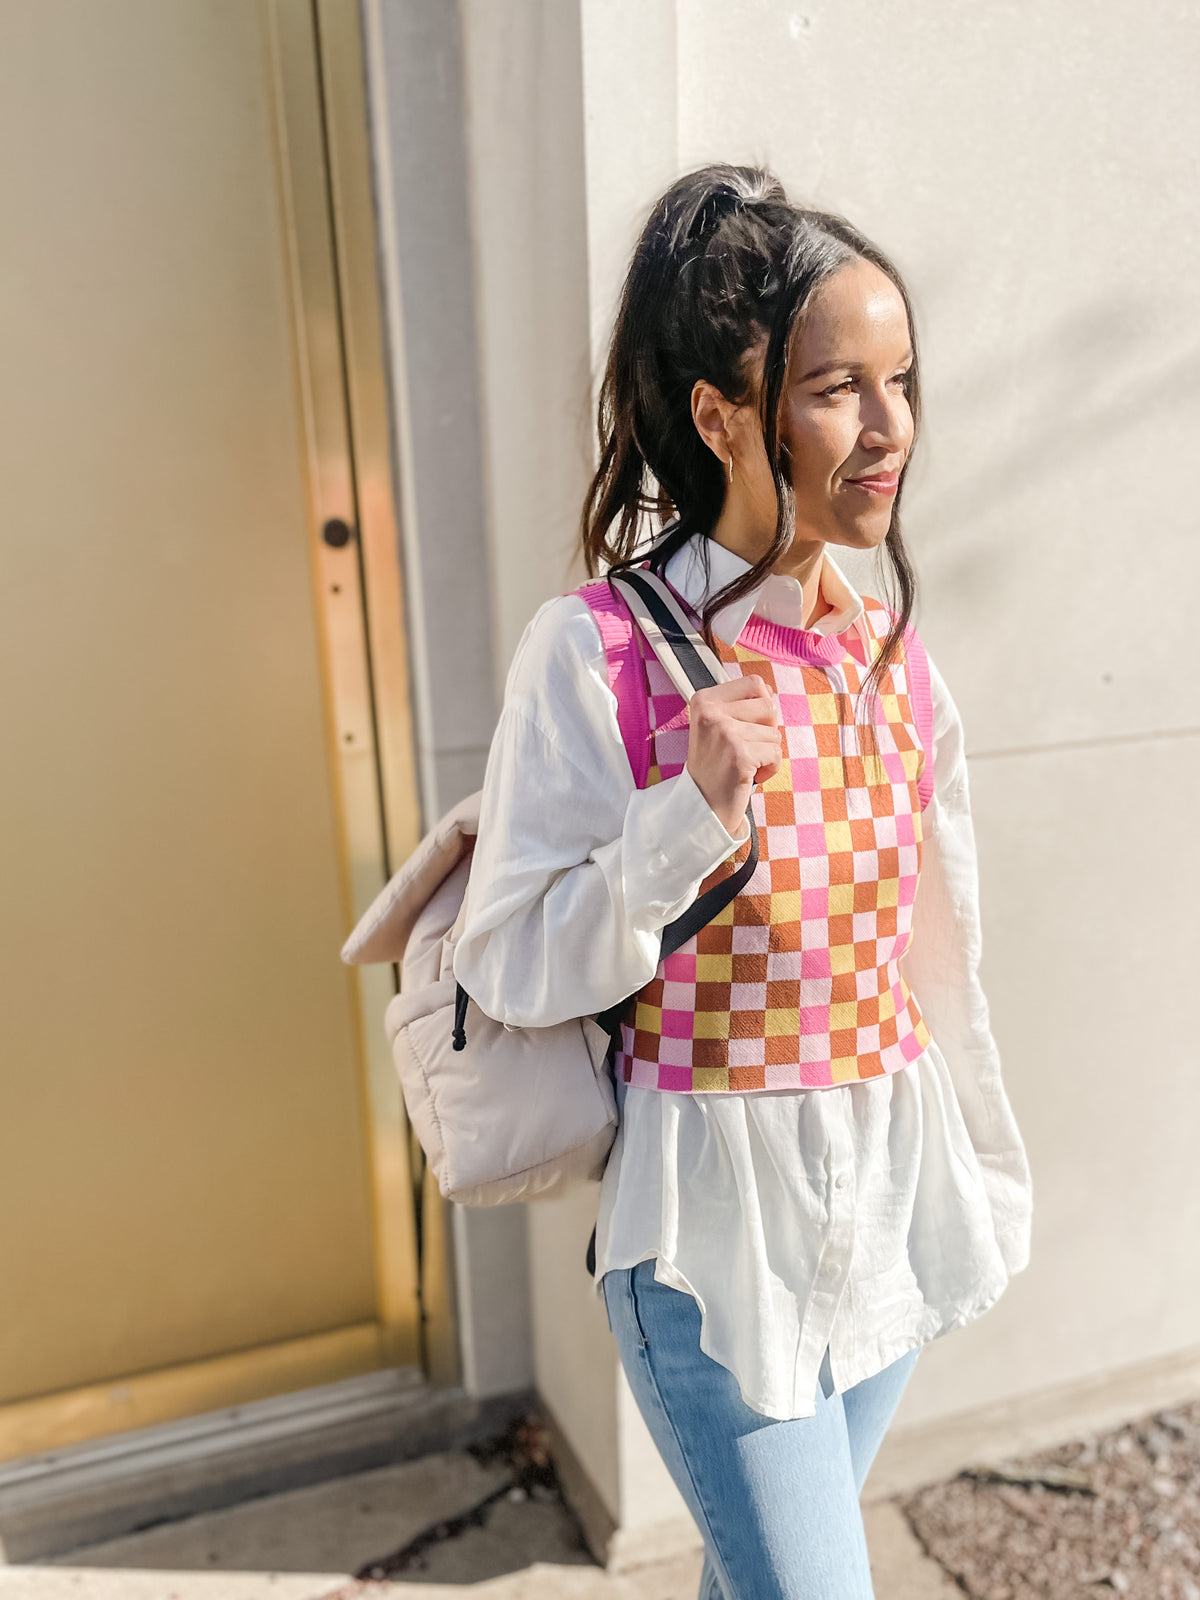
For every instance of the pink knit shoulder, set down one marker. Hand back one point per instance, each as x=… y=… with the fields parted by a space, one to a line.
x=920 y=693
x=920 y=690
x=626 y=673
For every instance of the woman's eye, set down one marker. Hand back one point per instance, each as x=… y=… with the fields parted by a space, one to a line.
x=847 y=384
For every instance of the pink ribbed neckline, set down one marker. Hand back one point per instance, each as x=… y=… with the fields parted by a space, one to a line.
x=780 y=643
x=777 y=641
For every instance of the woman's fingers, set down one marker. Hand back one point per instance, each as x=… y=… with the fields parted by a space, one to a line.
x=734 y=742
x=747 y=698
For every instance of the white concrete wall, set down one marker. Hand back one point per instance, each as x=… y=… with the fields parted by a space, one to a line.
x=525 y=143
x=415 y=93
x=522 y=63
x=421 y=187
x=1031 y=169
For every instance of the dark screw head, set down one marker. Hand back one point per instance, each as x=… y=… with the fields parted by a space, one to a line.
x=337 y=533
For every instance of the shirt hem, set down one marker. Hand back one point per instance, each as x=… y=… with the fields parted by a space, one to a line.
x=924 y=1331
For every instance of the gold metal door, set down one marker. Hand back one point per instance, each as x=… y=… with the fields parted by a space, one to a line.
x=204 y=1174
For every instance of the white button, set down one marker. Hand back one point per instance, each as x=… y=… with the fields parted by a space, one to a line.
x=842 y=1179
x=829 y=1268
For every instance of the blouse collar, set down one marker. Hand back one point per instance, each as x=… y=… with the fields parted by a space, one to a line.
x=778 y=599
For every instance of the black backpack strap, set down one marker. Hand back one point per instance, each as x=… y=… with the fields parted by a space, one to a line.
x=674 y=641
x=691 y=665
x=676 y=934
x=698 y=915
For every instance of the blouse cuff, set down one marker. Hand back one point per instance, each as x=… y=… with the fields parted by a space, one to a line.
x=673 y=840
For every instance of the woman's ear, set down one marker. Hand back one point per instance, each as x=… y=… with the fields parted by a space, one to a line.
x=711 y=413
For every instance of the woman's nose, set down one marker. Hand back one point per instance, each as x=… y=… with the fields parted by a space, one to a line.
x=886 y=420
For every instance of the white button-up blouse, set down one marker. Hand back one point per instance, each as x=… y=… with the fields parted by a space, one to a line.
x=867 y=1217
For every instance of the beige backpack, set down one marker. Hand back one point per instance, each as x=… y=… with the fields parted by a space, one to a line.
x=502 y=1113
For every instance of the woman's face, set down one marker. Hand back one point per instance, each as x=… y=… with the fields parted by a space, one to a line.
x=844 y=415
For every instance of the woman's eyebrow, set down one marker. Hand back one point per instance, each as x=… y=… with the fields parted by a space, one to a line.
x=827 y=367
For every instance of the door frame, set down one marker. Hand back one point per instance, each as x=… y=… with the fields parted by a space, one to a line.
x=405 y=1189
x=316 y=63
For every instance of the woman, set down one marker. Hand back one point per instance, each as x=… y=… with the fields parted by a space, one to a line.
x=817 y=1168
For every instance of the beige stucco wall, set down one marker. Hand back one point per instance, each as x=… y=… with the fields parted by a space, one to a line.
x=1032 y=169
x=522 y=74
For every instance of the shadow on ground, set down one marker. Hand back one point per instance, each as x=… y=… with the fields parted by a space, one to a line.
x=460 y=1517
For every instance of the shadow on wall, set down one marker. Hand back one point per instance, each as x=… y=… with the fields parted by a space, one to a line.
x=1061 y=402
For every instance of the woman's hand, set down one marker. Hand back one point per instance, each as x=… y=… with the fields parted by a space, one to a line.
x=734 y=743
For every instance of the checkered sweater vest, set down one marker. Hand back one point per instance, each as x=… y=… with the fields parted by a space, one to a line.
x=796 y=984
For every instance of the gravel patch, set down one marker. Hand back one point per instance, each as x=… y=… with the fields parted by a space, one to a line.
x=1107 y=1514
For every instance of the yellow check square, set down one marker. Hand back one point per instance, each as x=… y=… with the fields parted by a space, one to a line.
x=841 y=899
x=709 y=1078
x=714 y=969
x=837 y=837
x=710 y=1025
x=874 y=772
x=785 y=905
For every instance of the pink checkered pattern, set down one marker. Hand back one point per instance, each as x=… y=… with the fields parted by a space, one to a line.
x=796 y=984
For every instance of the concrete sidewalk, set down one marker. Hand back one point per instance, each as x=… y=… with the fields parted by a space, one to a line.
x=458 y=1528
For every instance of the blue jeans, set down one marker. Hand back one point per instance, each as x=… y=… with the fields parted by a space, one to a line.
x=777 y=1502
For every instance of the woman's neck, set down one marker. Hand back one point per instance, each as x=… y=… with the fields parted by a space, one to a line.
x=802 y=561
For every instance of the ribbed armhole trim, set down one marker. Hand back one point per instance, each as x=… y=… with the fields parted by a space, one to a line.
x=921 y=695
x=626 y=676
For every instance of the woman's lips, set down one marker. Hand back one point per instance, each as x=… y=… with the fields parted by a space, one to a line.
x=880 y=483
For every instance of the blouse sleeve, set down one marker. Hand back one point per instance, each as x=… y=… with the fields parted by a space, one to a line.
x=942 y=968
x=575 y=871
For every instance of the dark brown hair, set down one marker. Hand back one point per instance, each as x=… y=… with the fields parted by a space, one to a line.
x=724 y=261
